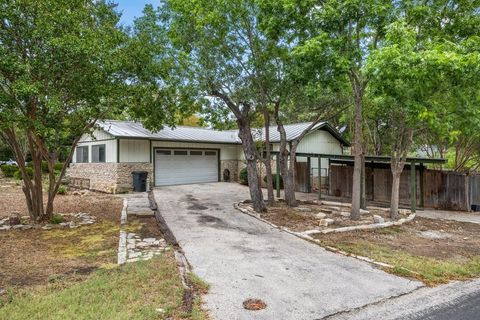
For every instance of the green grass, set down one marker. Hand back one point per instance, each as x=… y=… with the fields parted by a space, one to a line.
x=432 y=271
x=133 y=291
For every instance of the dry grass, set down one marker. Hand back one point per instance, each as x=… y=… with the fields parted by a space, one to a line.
x=142 y=290
x=454 y=256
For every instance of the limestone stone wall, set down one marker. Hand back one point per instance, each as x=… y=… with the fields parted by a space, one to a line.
x=124 y=174
x=232 y=166
x=102 y=176
x=107 y=177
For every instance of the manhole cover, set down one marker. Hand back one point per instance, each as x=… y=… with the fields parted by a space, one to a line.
x=254 y=304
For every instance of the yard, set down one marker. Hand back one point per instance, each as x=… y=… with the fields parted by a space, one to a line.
x=67 y=273
x=434 y=251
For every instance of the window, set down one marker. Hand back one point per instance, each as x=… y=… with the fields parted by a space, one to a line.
x=180 y=152
x=210 y=153
x=98 y=153
x=82 y=154
x=196 y=153
x=164 y=152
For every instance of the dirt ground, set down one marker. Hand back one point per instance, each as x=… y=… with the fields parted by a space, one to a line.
x=303 y=217
x=441 y=239
x=36 y=256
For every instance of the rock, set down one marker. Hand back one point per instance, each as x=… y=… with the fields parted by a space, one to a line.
x=134 y=254
x=160 y=310
x=364 y=211
x=26 y=227
x=17 y=226
x=345 y=214
x=378 y=219
x=47 y=227
x=149 y=240
x=5 y=228
x=303 y=209
x=14 y=220
x=3 y=221
x=326 y=222
x=320 y=215
x=76 y=193
x=335 y=208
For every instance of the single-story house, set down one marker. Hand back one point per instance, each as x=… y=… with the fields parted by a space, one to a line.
x=105 y=159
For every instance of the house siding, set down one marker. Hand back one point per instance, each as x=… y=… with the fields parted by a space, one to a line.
x=99 y=137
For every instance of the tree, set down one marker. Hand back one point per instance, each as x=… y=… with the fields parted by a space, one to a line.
x=335 y=38
x=58 y=76
x=407 y=77
x=220 y=43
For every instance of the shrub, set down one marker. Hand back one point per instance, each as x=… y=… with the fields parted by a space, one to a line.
x=56 y=219
x=274 y=177
x=44 y=167
x=58 y=166
x=18 y=174
x=243 y=176
x=8 y=170
x=62 y=190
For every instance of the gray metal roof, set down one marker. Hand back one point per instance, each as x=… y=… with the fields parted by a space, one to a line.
x=131 y=129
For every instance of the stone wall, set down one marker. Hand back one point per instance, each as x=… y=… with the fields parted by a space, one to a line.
x=124 y=174
x=108 y=177
x=232 y=166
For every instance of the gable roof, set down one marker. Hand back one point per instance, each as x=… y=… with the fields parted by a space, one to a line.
x=131 y=129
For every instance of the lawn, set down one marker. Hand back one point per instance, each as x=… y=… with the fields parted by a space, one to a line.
x=143 y=290
x=72 y=273
x=433 y=251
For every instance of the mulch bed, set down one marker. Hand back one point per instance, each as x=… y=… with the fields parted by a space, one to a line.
x=306 y=216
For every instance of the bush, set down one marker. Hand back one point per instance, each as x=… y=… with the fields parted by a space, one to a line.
x=8 y=170
x=58 y=166
x=62 y=190
x=18 y=174
x=44 y=166
x=243 y=176
x=274 y=177
x=56 y=219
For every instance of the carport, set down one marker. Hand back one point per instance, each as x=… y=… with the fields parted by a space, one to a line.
x=413 y=163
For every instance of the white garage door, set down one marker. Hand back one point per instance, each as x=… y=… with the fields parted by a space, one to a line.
x=182 y=166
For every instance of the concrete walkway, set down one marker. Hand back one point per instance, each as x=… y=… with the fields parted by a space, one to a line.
x=244 y=258
x=450 y=215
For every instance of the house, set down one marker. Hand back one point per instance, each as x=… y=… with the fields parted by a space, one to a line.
x=105 y=160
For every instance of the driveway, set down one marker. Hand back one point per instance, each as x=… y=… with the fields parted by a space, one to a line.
x=241 y=258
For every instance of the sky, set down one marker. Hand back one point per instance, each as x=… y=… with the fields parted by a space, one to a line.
x=132 y=8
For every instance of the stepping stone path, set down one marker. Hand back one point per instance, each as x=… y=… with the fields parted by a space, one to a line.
x=81 y=217
x=143 y=249
x=131 y=247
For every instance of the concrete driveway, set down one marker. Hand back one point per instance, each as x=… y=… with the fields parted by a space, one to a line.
x=241 y=258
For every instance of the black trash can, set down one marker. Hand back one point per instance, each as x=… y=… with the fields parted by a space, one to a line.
x=139 y=181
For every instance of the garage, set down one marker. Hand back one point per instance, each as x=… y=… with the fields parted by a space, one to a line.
x=183 y=166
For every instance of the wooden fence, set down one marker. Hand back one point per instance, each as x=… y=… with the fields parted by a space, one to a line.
x=435 y=189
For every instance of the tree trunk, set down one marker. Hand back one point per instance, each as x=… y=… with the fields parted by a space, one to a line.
x=358 y=155
x=363 y=199
x=249 y=149
x=287 y=167
x=268 y=162
x=395 y=199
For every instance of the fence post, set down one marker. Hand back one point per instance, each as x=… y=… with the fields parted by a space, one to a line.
x=277 y=176
x=319 y=178
x=413 y=187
